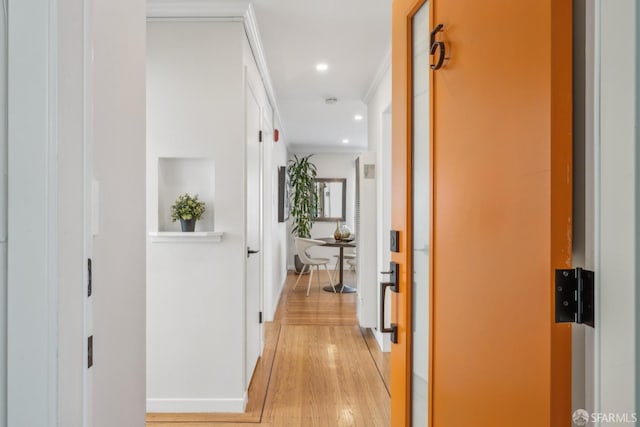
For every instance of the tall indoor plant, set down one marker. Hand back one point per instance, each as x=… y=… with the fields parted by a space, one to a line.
x=303 y=196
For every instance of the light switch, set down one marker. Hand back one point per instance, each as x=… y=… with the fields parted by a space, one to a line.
x=369 y=171
x=95 y=207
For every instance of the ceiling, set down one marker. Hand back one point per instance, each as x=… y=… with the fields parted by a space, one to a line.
x=352 y=37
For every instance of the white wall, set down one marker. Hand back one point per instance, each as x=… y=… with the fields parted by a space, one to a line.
x=196 y=290
x=280 y=232
x=276 y=236
x=379 y=133
x=3 y=218
x=330 y=165
x=367 y=242
x=617 y=198
x=117 y=101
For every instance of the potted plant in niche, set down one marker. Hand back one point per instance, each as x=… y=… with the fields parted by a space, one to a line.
x=188 y=210
x=303 y=198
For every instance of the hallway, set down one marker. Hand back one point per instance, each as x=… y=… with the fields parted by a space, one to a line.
x=318 y=368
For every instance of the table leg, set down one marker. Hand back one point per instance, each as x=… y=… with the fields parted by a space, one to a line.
x=340 y=286
x=340 y=283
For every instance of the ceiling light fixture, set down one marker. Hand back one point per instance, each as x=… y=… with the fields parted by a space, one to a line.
x=345 y=141
x=357 y=117
x=322 y=67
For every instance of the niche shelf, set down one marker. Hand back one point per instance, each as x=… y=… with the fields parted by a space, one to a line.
x=187 y=237
x=179 y=175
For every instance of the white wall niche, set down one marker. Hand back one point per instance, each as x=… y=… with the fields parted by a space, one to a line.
x=179 y=175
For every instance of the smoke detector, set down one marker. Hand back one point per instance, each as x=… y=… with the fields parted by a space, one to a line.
x=331 y=100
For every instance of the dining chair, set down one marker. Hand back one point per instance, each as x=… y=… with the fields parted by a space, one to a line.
x=301 y=248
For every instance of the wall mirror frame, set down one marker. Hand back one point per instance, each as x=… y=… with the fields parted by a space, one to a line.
x=332 y=199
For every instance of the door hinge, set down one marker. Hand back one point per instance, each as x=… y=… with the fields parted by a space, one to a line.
x=89 y=278
x=259 y=136
x=575 y=296
x=90 y=351
x=260 y=317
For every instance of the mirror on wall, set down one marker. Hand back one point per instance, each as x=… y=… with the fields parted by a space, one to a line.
x=332 y=199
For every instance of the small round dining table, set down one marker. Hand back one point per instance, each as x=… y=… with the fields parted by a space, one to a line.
x=333 y=243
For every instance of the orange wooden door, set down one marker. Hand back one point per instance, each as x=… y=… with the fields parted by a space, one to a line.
x=501 y=213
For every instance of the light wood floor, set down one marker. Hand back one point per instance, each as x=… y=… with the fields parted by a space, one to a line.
x=318 y=368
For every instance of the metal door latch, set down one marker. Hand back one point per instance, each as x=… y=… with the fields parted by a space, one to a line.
x=575 y=296
x=394 y=285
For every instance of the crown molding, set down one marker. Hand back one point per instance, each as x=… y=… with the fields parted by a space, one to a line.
x=384 y=66
x=220 y=9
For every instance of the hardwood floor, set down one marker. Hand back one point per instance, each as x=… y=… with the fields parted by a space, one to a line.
x=318 y=368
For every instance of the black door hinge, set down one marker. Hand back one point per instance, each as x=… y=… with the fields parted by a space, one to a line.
x=90 y=351
x=259 y=136
x=89 y=278
x=575 y=296
x=260 y=317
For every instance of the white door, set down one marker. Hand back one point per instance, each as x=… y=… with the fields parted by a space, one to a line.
x=253 y=286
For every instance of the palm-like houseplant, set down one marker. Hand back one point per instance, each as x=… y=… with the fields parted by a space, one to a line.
x=304 y=200
x=303 y=196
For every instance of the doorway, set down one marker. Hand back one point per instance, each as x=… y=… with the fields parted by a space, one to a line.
x=254 y=267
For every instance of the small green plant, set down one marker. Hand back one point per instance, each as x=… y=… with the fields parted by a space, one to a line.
x=186 y=208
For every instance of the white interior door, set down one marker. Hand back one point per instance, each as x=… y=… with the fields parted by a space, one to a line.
x=253 y=287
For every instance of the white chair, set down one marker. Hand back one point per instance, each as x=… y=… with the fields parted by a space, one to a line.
x=301 y=247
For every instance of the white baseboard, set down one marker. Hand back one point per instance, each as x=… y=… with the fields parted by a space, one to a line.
x=384 y=342
x=276 y=298
x=196 y=405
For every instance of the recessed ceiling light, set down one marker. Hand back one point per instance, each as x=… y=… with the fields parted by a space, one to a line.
x=345 y=141
x=322 y=67
x=357 y=117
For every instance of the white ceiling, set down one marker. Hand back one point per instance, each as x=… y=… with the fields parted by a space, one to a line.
x=352 y=37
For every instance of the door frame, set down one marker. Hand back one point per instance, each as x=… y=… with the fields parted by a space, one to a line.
x=32 y=281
